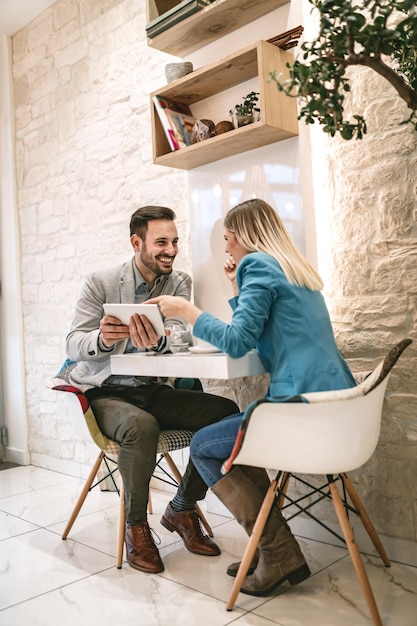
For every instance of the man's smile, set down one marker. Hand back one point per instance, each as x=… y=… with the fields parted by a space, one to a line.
x=166 y=260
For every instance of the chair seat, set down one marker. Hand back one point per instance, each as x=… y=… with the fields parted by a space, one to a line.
x=170 y=440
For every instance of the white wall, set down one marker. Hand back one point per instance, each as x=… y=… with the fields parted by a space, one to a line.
x=271 y=173
x=14 y=399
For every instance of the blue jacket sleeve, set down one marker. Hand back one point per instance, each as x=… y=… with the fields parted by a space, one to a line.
x=255 y=277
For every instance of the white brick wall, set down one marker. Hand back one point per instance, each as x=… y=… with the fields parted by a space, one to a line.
x=82 y=75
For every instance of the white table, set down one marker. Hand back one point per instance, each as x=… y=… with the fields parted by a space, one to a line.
x=186 y=365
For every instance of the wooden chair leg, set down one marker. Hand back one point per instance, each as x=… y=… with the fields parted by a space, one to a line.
x=366 y=520
x=121 y=528
x=89 y=481
x=253 y=543
x=354 y=553
x=178 y=477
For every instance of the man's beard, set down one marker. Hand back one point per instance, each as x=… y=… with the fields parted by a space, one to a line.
x=158 y=269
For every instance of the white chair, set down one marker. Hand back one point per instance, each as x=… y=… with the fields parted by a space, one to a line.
x=327 y=433
x=85 y=426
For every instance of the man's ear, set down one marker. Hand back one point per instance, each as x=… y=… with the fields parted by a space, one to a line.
x=136 y=242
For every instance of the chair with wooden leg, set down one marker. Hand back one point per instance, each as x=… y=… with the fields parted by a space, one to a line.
x=105 y=466
x=325 y=433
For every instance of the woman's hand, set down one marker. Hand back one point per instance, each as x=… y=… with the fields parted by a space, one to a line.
x=230 y=268
x=176 y=306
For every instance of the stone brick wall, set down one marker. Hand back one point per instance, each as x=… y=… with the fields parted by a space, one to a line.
x=371 y=210
x=82 y=76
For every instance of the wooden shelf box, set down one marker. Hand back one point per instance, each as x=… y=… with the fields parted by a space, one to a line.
x=278 y=112
x=214 y=21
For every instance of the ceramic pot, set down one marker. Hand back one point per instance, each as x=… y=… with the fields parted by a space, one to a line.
x=173 y=71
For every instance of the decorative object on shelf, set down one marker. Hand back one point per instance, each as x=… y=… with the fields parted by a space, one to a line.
x=243 y=114
x=202 y=129
x=173 y=71
x=176 y=120
x=223 y=127
x=176 y=14
x=287 y=40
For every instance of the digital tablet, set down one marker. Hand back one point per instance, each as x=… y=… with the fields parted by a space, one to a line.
x=125 y=311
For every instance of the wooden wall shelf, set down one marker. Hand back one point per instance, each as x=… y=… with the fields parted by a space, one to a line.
x=278 y=112
x=211 y=23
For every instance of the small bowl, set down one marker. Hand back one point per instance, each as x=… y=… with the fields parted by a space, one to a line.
x=173 y=71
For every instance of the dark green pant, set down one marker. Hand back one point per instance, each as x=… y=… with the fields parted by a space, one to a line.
x=133 y=416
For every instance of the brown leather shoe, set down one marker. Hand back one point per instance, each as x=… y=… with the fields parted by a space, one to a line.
x=141 y=551
x=187 y=525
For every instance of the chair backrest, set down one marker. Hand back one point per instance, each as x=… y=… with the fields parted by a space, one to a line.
x=317 y=438
x=76 y=413
x=333 y=432
x=82 y=417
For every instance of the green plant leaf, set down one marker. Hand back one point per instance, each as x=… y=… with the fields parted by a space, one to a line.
x=381 y=34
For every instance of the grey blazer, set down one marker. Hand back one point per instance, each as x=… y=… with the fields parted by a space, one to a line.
x=110 y=285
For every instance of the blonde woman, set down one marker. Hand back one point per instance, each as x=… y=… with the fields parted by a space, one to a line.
x=277 y=308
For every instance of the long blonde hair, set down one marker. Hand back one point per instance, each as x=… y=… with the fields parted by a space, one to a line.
x=258 y=228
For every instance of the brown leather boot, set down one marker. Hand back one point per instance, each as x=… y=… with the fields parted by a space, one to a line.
x=280 y=557
x=187 y=525
x=260 y=478
x=141 y=551
x=233 y=568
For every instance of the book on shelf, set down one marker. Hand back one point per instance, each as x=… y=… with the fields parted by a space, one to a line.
x=182 y=125
x=177 y=121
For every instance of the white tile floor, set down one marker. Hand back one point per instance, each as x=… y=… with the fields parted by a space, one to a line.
x=45 y=581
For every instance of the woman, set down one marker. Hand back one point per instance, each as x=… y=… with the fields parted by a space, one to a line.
x=277 y=308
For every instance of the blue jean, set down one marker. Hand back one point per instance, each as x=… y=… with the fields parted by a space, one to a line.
x=212 y=445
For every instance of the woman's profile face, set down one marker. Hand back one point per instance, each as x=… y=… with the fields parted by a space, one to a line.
x=233 y=247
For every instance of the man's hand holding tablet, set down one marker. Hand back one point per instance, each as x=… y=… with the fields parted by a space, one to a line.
x=144 y=321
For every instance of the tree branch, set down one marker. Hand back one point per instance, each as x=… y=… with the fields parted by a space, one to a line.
x=375 y=63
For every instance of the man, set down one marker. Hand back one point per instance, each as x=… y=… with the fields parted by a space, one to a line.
x=132 y=410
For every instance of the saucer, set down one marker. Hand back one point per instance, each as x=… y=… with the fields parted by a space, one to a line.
x=203 y=349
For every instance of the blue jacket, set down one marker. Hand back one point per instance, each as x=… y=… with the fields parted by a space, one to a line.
x=289 y=325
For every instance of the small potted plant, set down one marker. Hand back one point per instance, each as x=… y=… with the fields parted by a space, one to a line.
x=243 y=114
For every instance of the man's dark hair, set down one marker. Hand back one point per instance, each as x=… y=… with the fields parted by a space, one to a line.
x=143 y=215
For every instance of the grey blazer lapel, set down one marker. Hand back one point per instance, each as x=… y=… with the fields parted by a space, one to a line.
x=127 y=284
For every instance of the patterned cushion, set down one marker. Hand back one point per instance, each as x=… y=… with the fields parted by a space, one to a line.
x=344 y=394
x=391 y=359
x=62 y=377
x=173 y=440
x=369 y=383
